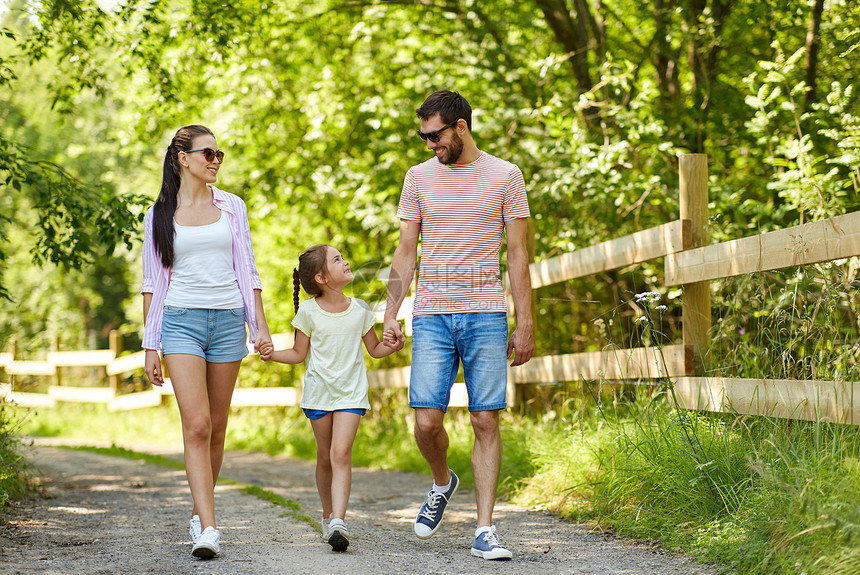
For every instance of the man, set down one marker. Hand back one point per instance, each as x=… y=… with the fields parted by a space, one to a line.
x=460 y=203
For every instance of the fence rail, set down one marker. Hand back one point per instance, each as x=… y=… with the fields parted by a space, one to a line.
x=689 y=261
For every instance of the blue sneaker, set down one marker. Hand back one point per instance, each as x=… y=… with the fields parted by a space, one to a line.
x=430 y=515
x=487 y=546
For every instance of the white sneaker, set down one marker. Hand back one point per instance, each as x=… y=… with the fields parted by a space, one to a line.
x=207 y=544
x=194 y=528
x=324 y=524
x=338 y=535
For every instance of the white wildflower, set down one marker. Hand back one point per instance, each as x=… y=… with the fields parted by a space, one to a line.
x=647 y=297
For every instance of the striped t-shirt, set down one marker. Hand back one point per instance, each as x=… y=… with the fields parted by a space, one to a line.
x=462 y=210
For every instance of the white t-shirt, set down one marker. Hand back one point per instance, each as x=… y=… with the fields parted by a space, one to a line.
x=202 y=275
x=462 y=210
x=335 y=376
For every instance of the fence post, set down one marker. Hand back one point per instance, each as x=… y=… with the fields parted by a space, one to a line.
x=696 y=299
x=115 y=342
x=13 y=351
x=57 y=378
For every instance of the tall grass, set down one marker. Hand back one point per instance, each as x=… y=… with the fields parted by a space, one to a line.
x=755 y=494
x=13 y=467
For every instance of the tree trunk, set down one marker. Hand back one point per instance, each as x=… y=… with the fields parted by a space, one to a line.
x=667 y=61
x=572 y=33
x=813 y=41
x=703 y=62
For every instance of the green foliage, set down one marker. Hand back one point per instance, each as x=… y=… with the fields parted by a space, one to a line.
x=13 y=466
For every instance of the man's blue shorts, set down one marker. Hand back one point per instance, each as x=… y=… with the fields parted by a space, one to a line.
x=441 y=342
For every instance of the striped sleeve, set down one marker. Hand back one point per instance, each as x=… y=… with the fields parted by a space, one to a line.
x=409 y=208
x=248 y=245
x=516 y=203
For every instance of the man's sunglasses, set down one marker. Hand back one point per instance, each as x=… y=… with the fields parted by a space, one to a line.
x=209 y=154
x=434 y=136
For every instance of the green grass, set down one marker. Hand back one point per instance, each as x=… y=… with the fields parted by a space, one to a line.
x=115 y=451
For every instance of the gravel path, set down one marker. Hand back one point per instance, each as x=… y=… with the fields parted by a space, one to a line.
x=112 y=515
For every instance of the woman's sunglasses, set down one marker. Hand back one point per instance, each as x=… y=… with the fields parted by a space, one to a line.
x=434 y=135
x=209 y=154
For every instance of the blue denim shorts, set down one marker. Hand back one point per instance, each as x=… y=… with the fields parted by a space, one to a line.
x=441 y=342
x=217 y=335
x=320 y=413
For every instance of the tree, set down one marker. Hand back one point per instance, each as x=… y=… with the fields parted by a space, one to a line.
x=75 y=220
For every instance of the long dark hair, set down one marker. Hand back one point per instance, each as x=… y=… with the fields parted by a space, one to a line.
x=165 y=205
x=311 y=262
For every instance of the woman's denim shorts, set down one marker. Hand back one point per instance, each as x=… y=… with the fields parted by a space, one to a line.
x=217 y=335
x=440 y=342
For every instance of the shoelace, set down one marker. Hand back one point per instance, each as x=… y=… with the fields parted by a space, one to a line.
x=429 y=510
x=491 y=538
x=209 y=536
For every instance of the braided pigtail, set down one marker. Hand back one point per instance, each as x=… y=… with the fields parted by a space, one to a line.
x=311 y=263
x=296 y=285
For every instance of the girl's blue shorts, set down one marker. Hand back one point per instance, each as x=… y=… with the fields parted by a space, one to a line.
x=320 y=413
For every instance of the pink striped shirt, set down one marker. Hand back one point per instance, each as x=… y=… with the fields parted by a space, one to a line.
x=462 y=210
x=156 y=278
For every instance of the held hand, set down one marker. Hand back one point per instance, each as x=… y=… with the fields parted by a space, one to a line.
x=393 y=343
x=266 y=350
x=523 y=343
x=392 y=334
x=152 y=368
x=262 y=341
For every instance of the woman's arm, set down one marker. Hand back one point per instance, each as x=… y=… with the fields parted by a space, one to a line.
x=263 y=335
x=151 y=361
x=297 y=354
x=378 y=349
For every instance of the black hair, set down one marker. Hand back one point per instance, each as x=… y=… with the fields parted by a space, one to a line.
x=165 y=205
x=449 y=105
x=311 y=262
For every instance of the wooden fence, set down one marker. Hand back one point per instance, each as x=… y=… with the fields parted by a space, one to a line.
x=690 y=261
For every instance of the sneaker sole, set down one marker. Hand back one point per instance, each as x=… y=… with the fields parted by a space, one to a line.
x=497 y=554
x=338 y=541
x=204 y=552
x=439 y=524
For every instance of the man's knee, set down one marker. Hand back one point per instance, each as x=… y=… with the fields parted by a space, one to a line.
x=485 y=422
x=429 y=421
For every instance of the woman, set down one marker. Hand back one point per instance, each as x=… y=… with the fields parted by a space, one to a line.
x=200 y=288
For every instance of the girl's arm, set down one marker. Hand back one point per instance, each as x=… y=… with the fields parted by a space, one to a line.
x=378 y=349
x=295 y=355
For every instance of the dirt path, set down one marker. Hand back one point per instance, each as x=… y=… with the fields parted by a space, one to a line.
x=112 y=515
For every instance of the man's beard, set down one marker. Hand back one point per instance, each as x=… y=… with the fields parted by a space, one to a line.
x=453 y=151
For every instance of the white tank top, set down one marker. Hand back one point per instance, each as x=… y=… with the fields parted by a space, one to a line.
x=202 y=276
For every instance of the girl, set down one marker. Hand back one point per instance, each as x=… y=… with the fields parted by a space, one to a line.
x=331 y=326
x=200 y=288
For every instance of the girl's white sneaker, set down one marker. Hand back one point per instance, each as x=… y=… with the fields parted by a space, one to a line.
x=338 y=536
